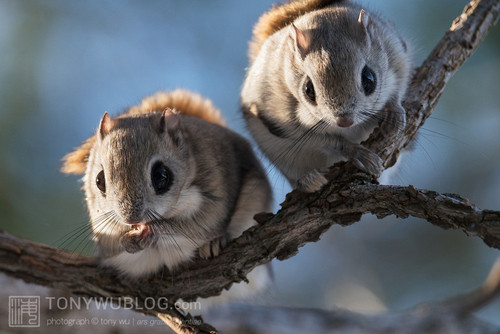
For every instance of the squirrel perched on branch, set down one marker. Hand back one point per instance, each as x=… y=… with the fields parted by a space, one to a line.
x=323 y=75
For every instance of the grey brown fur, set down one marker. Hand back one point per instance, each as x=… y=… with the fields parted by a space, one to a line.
x=218 y=186
x=330 y=46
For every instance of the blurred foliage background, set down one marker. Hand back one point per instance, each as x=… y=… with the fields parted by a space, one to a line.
x=64 y=63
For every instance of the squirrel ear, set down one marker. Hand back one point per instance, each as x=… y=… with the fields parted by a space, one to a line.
x=162 y=126
x=363 y=19
x=170 y=122
x=105 y=125
x=253 y=110
x=302 y=39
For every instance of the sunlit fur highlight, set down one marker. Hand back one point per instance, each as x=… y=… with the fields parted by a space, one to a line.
x=278 y=17
x=180 y=100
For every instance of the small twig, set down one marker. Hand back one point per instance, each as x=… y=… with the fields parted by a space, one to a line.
x=479 y=298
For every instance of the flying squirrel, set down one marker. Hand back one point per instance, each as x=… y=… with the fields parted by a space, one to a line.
x=323 y=75
x=166 y=182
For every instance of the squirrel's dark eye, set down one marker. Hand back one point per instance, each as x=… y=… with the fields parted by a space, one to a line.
x=309 y=91
x=161 y=177
x=368 y=80
x=100 y=181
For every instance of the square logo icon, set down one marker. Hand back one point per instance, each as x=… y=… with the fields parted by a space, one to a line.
x=24 y=311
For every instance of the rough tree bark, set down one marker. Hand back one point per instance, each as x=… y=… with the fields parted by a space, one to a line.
x=303 y=217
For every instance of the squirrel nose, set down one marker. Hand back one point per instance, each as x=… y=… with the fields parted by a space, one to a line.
x=133 y=218
x=344 y=122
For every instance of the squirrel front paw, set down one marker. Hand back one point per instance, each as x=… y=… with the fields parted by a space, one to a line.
x=368 y=161
x=311 y=182
x=212 y=248
x=138 y=238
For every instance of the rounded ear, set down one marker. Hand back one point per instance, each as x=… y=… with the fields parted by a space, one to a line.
x=171 y=123
x=162 y=127
x=302 y=39
x=105 y=125
x=253 y=110
x=363 y=19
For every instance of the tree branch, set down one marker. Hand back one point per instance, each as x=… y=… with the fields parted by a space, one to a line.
x=303 y=217
x=429 y=80
x=449 y=316
x=470 y=302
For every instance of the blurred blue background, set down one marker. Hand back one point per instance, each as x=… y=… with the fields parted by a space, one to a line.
x=64 y=63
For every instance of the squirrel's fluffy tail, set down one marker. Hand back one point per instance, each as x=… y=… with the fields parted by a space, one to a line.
x=183 y=101
x=279 y=17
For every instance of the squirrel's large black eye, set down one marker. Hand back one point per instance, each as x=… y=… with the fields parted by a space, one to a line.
x=100 y=182
x=161 y=178
x=368 y=80
x=309 y=91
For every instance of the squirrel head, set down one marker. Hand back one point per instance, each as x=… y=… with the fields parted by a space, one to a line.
x=137 y=170
x=341 y=69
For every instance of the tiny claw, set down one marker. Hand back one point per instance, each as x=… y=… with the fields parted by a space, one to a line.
x=212 y=248
x=395 y=120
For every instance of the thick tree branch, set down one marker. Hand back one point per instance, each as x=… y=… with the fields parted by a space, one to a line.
x=449 y=316
x=81 y=275
x=303 y=217
x=448 y=211
x=56 y=268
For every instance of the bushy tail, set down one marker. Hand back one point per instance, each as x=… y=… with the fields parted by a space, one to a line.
x=183 y=101
x=279 y=17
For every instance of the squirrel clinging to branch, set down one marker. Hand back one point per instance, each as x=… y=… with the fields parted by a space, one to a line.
x=323 y=75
